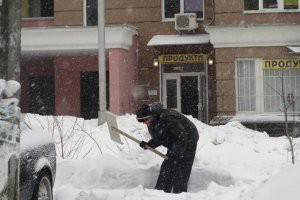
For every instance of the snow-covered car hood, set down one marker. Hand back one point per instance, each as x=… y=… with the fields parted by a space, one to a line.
x=33 y=138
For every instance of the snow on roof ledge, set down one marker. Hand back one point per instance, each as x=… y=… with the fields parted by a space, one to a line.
x=160 y=40
x=263 y=118
x=254 y=35
x=295 y=49
x=65 y=39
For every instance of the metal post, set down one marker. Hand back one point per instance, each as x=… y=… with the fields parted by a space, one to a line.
x=101 y=61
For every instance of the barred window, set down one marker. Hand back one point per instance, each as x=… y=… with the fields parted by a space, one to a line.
x=172 y=7
x=271 y=5
x=273 y=80
x=37 y=8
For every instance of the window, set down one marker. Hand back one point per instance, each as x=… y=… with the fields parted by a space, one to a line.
x=259 y=90
x=37 y=8
x=246 y=90
x=271 y=5
x=273 y=85
x=91 y=12
x=291 y=4
x=171 y=7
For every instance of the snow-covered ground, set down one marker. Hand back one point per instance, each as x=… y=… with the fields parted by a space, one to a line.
x=232 y=163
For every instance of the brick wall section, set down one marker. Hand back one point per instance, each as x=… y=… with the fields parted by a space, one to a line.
x=67 y=82
x=232 y=13
x=68 y=12
x=225 y=72
x=33 y=68
x=37 y=22
x=146 y=16
x=122 y=79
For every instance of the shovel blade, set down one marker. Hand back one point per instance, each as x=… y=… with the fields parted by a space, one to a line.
x=111 y=120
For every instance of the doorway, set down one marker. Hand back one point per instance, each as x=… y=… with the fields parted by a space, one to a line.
x=185 y=92
x=42 y=95
x=89 y=95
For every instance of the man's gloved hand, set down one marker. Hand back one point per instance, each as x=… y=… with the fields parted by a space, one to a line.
x=143 y=145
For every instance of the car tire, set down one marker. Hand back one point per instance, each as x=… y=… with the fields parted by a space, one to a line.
x=43 y=187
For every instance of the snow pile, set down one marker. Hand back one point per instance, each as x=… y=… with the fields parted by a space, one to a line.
x=9 y=111
x=232 y=163
x=9 y=130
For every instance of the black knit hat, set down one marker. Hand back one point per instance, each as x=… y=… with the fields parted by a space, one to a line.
x=143 y=113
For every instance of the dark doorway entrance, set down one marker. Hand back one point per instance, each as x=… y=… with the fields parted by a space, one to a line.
x=89 y=95
x=189 y=95
x=41 y=90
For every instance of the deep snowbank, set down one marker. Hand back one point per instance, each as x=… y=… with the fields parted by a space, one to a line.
x=231 y=163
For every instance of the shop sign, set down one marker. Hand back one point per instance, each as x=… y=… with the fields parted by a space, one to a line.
x=281 y=63
x=152 y=92
x=183 y=67
x=182 y=58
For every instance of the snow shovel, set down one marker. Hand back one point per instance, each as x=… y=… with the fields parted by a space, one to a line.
x=115 y=133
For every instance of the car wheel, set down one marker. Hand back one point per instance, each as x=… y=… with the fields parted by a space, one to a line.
x=43 y=187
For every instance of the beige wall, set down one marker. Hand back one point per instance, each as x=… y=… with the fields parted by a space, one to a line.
x=68 y=12
x=225 y=71
x=146 y=16
x=232 y=13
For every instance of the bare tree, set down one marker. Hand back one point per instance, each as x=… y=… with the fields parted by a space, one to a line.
x=287 y=101
x=70 y=138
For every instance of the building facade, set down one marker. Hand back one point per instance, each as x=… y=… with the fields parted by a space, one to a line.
x=59 y=70
x=182 y=79
x=150 y=57
x=257 y=61
x=59 y=45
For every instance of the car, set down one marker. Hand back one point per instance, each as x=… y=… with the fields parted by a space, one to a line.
x=37 y=164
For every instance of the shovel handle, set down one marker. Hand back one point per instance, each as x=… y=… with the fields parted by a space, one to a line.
x=138 y=141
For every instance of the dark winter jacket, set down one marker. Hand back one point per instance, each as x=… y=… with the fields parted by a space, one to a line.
x=174 y=131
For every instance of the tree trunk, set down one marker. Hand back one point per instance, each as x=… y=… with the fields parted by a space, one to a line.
x=10 y=39
x=10 y=53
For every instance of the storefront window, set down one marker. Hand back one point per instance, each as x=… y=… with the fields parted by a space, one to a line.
x=171 y=7
x=273 y=80
x=246 y=85
x=271 y=5
x=251 y=5
x=37 y=8
x=260 y=89
x=291 y=4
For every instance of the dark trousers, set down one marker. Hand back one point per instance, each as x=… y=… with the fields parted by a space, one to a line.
x=175 y=173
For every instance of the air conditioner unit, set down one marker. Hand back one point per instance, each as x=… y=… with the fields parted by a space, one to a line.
x=186 y=21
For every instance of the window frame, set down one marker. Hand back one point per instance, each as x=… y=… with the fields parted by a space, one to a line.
x=259 y=106
x=271 y=10
x=39 y=17
x=84 y=18
x=259 y=74
x=164 y=19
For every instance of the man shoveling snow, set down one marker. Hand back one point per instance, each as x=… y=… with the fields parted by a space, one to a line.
x=179 y=135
